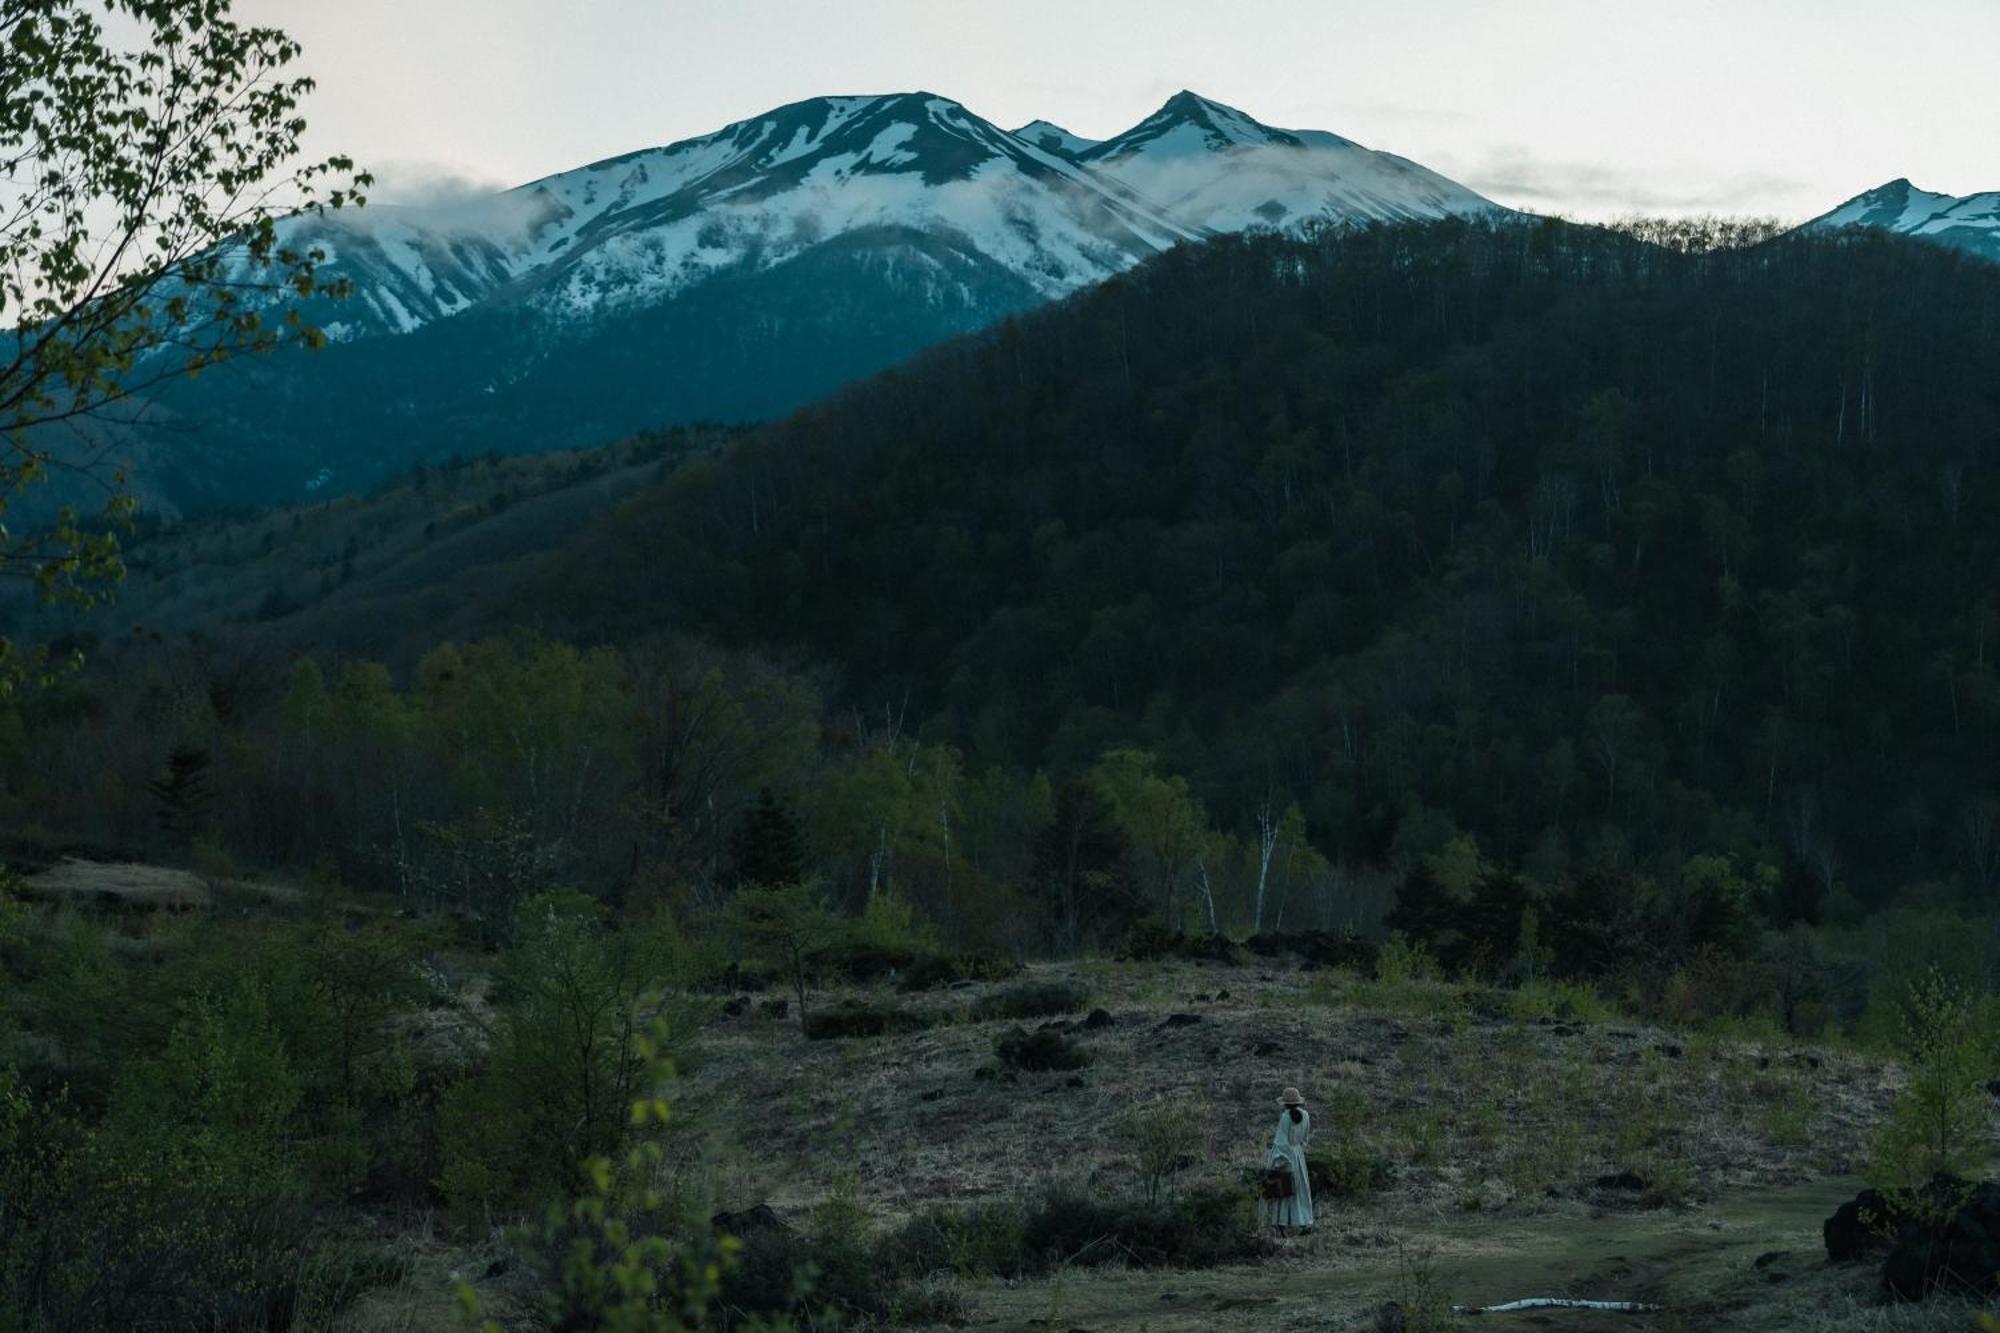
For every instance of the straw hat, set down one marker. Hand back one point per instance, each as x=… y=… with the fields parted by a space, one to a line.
x=1291 y=1098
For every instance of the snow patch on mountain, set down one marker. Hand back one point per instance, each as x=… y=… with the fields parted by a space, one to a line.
x=1057 y=210
x=1966 y=222
x=1223 y=170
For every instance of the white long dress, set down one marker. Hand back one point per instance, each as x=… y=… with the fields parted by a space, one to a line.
x=1288 y=1149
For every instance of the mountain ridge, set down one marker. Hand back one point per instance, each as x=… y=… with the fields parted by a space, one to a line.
x=1968 y=222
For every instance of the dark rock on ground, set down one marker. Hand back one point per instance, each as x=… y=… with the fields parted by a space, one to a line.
x=749 y=1221
x=1180 y=1020
x=1266 y=1048
x=1097 y=1018
x=1959 y=1253
x=1858 y=1228
x=1945 y=1236
x=1766 y=1259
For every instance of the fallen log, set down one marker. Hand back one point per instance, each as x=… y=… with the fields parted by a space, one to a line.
x=1556 y=1303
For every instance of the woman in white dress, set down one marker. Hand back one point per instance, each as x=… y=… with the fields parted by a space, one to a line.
x=1288 y=1152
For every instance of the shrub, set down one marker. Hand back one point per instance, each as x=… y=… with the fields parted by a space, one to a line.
x=1065 y=1227
x=861 y=1020
x=1203 y=1228
x=935 y=971
x=1319 y=948
x=561 y=1072
x=887 y=938
x=1399 y=962
x=1043 y=1050
x=1570 y=1001
x=1938 y=1125
x=1347 y=1170
x=975 y=1241
x=1031 y=999
x=1163 y=1136
x=788 y=927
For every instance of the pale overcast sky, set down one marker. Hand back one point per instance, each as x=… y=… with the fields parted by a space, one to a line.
x=1588 y=107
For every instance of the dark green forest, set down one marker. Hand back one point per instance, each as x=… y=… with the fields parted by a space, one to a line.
x=1595 y=549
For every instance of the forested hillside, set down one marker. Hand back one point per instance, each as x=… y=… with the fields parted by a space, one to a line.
x=1603 y=550
x=1455 y=639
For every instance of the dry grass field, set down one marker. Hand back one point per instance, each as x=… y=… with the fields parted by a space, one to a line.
x=1507 y=1157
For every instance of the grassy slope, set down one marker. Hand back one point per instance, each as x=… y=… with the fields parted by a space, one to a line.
x=1772 y=1133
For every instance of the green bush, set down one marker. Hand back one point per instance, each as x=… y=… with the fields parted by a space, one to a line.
x=888 y=937
x=1939 y=1123
x=975 y=1241
x=1568 y=1001
x=1046 y=1049
x=1031 y=999
x=1064 y=1227
x=935 y=971
x=559 y=1077
x=1212 y=1225
x=1163 y=1136
x=861 y=1020
x=1347 y=1170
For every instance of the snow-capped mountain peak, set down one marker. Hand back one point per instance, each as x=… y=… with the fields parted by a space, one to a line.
x=1227 y=171
x=1188 y=124
x=1967 y=222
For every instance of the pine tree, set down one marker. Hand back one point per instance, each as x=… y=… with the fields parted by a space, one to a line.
x=182 y=791
x=767 y=848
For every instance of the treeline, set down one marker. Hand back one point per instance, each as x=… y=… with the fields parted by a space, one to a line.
x=668 y=777
x=1602 y=551
x=509 y=767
